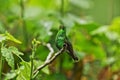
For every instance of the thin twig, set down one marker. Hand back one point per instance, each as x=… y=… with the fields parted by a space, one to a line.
x=49 y=61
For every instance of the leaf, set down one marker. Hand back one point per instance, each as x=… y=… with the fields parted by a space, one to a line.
x=11 y=38
x=115 y=26
x=100 y=30
x=85 y=4
x=98 y=52
x=2 y=37
x=10 y=75
x=15 y=50
x=44 y=4
x=7 y=54
x=8 y=36
x=24 y=71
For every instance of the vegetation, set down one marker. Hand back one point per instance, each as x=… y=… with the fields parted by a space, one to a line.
x=27 y=39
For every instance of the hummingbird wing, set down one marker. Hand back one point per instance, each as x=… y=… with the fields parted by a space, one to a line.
x=70 y=49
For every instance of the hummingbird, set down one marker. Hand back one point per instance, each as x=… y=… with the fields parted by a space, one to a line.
x=61 y=40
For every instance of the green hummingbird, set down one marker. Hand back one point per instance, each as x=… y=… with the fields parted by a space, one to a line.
x=61 y=40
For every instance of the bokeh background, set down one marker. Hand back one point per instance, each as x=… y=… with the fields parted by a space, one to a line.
x=93 y=27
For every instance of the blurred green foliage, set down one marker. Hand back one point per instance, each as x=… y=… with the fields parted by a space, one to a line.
x=93 y=27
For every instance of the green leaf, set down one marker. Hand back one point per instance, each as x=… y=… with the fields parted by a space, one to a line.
x=10 y=75
x=24 y=71
x=15 y=50
x=115 y=26
x=2 y=37
x=100 y=30
x=7 y=54
x=84 y=4
x=8 y=36
x=45 y=4
x=11 y=38
x=98 y=52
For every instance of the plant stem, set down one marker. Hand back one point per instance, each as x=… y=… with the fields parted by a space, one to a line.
x=1 y=67
x=31 y=68
x=62 y=8
x=1 y=62
x=23 y=21
x=32 y=58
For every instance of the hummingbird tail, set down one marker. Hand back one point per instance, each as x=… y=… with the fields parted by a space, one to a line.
x=70 y=51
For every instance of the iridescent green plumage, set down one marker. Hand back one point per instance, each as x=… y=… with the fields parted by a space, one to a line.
x=62 y=39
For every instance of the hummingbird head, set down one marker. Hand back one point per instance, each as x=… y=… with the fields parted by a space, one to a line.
x=62 y=27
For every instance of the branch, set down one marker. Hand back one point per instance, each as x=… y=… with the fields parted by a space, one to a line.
x=50 y=53
x=49 y=61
